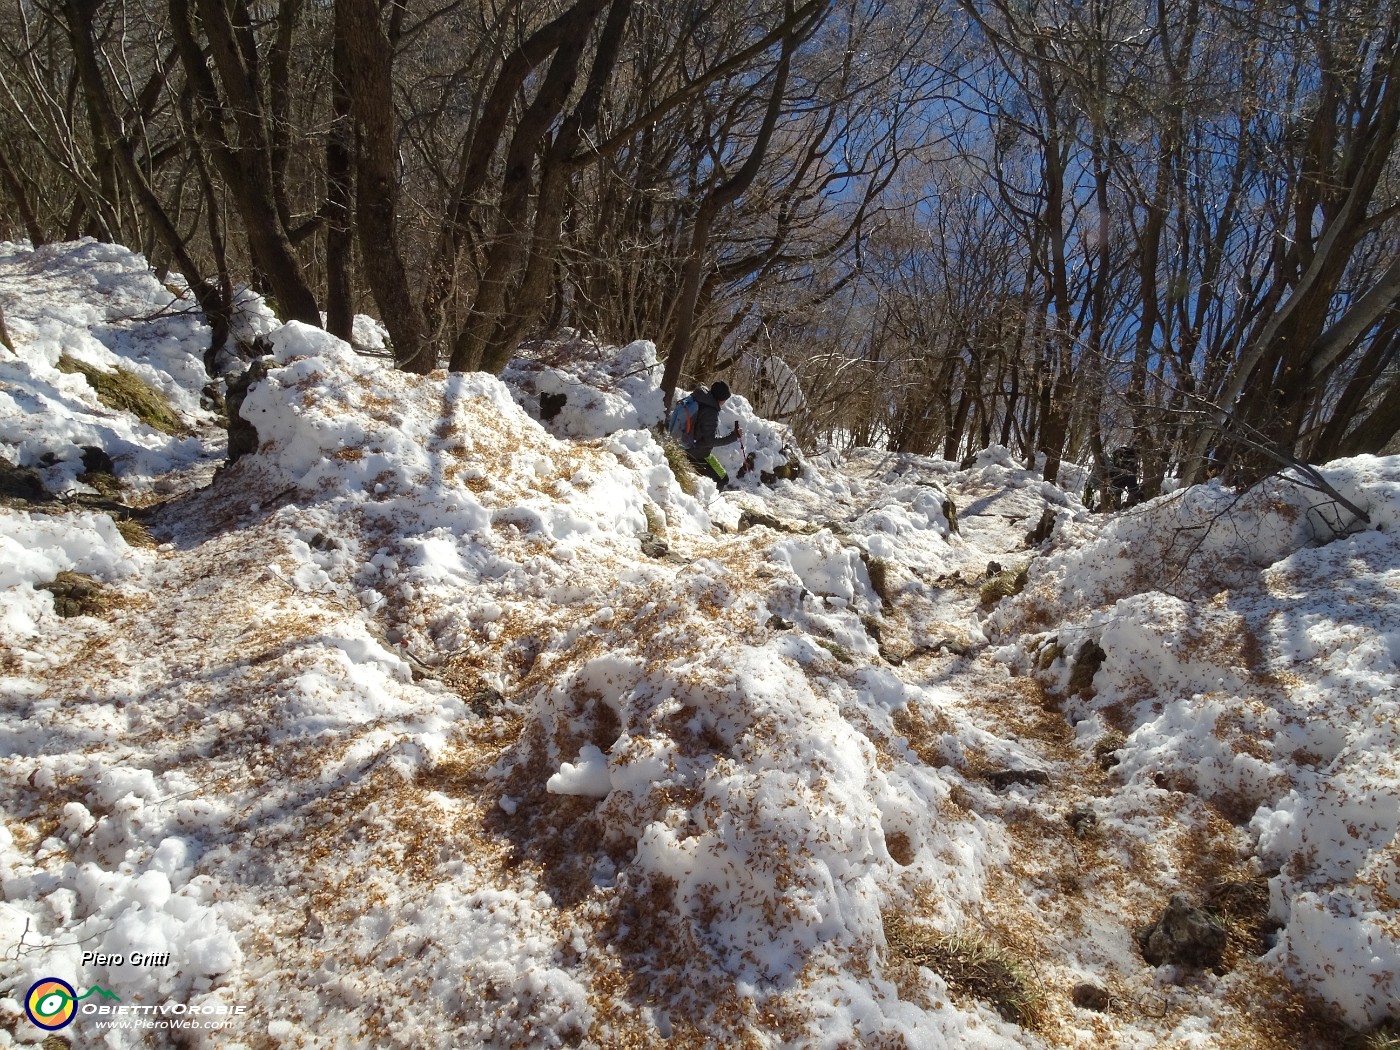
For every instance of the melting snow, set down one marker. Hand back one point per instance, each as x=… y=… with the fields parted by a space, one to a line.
x=398 y=738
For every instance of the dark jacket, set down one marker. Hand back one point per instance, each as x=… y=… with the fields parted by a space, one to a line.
x=1123 y=466
x=706 y=423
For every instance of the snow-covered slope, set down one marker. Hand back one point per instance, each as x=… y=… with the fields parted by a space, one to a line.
x=1251 y=653
x=431 y=725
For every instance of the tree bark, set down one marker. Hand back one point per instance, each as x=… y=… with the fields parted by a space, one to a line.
x=717 y=198
x=369 y=83
x=245 y=162
x=340 y=189
x=5 y=340
x=26 y=211
x=211 y=300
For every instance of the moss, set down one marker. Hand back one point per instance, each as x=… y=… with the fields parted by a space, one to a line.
x=1106 y=746
x=75 y=594
x=839 y=651
x=1048 y=655
x=1004 y=584
x=124 y=391
x=971 y=965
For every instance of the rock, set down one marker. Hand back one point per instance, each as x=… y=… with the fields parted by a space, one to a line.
x=1004 y=778
x=242 y=435
x=896 y=653
x=485 y=701
x=1043 y=528
x=750 y=518
x=1086 y=664
x=1184 y=936
x=1088 y=996
x=653 y=546
x=98 y=472
x=873 y=627
x=96 y=461
x=777 y=623
x=551 y=405
x=211 y=398
x=76 y=594
x=1083 y=820
x=789 y=471
x=21 y=484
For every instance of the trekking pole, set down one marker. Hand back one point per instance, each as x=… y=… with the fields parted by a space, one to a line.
x=743 y=466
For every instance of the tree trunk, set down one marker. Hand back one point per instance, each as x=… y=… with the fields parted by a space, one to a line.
x=1378 y=429
x=719 y=197
x=214 y=304
x=26 y=211
x=340 y=231
x=369 y=62
x=245 y=163
x=5 y=340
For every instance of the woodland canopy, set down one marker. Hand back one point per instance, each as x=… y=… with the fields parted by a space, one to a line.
x=1058 y=225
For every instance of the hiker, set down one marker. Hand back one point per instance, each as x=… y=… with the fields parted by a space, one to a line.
x=1123 y=477
x=693 y=423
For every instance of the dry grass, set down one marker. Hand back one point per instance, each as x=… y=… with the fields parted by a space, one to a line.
x=107 y=485
x=656 y=523
x=1385 y=1037
x=1106 y=745
x=1242 y=906
x=925 y=730
x=972 y=965
x=135 y=534
x=679 y=463
x=124 y=391
x=879 y=570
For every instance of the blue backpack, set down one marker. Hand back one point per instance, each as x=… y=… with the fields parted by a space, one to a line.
x=684 y=415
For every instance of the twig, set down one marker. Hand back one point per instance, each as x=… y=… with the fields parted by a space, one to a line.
x=22 y=949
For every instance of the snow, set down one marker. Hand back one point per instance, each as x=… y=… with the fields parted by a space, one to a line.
x=399 y=738
x=1261 y=670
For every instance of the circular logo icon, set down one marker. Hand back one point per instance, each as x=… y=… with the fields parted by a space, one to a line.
x=51 y=1003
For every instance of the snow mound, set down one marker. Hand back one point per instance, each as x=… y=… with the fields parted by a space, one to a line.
x=407 y=733
x=100 y=306
x=1250 y=652
x=450 y=452
x=579 y=388
x=731 y=803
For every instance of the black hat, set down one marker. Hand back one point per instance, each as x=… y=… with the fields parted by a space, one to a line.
x=720 y=391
